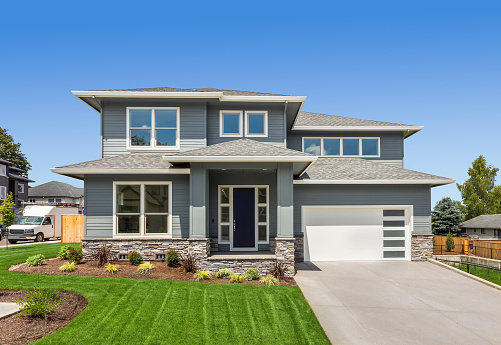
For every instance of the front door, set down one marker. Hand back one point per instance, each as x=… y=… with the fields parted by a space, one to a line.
x=244 y=218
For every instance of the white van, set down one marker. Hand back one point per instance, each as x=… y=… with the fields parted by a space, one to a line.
x=39 y=223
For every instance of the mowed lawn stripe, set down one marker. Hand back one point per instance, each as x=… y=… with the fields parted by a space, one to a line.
x=146 y=311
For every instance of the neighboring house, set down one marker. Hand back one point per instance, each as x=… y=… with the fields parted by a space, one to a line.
x=484 y=227
x=211 y=171
x=56 y=192
x=11 y=181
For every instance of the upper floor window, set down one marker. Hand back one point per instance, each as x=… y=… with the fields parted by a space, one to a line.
x=348 y=147
x=20 y=188
x=232 y=123
x=3 y=192
x=156 y=128
x=3 y=170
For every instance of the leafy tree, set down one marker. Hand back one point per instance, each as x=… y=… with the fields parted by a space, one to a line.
x=8 y=214
x=479 y=193
x=11 y=151
x=449 y=243
x=446 y=217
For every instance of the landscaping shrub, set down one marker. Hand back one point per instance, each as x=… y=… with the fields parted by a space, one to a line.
x=251 y=274
x=172 y=258
x=278 y=270
x=269 y=280
x=189 y=263
x=35 y=260
x=110 y=268
x=40 y=301
x=67 y=267
x=449 y=243
x=145 y=267
x=236 y=278
x=135 y=258
x=63 y=252
x=202 y=275
x=103 y=255
x=224 y=273
x=74 y=255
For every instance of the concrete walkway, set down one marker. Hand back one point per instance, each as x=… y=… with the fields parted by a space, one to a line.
x=400 y=303
x=7 y=309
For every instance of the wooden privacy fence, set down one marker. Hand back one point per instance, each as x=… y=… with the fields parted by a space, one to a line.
x=490 y=249
x=461 y=246
x=72 y=228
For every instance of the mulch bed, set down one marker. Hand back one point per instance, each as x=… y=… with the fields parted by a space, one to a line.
x=126 y=270
x=26 y=329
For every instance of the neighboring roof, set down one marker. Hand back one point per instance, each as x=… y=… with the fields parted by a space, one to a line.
x=315 y=121
x=21 y=178
x=362 y=171
x=55 y=189
x=127 y=163
x=3 y=161
x=486 y=221
x=223 y=91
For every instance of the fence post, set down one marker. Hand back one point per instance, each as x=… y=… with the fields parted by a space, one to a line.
x=491 y=252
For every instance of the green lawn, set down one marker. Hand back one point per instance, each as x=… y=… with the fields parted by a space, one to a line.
x=142 y=311
x=484 y=273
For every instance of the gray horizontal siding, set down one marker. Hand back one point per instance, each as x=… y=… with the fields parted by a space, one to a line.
x=419 y=196
x=275 y=121
x=99 y=202
x=192 y=124
x=391 y=144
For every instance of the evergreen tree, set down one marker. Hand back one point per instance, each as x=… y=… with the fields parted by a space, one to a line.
x=11 y=151
x=479 y=193
x=446 y=217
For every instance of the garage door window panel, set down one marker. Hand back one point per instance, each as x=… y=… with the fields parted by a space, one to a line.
x=393 y=233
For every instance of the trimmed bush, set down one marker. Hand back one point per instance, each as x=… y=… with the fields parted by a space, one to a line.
x=35 y=260
x=63 y=252
x=172 y=258
x=110 y=268
x=74 y=255
x=67 y=267
x=236 y=278
x=40 y=301
x=145 y=267
x=269 y=280
x=224 y=273
x=202 y=275
x=251 y=274
x=135 y=258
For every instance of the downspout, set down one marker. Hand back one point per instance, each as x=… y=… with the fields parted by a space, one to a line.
x=285 y=124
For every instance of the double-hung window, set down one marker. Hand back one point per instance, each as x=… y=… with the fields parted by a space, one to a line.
x=233 y=123
x=348 y=147
x=3 y=192
x=156 y=128
x=142 y=208
x=3 y=170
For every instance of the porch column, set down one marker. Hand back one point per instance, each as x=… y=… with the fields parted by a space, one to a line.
x=198 y=200
x=285 y=206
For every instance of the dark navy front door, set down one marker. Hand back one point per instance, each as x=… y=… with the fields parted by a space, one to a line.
x=244 y=218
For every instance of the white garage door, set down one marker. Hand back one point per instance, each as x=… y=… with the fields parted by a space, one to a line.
x=333 y=233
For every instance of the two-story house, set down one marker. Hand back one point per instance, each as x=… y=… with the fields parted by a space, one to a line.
x=11 y=181
x=56 y=192
x=248 y=178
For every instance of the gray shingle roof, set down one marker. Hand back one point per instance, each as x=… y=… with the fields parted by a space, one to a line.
x=57 y=189
x=486 y=221
x=20 y=178
x=314 y=119
x=173 y=89
x=357 y=169
x=137 y=160
x=243 y=147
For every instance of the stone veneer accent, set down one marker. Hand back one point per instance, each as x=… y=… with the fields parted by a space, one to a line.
x=284 y=250
x=299 y=248
x=421 y=247
x=241 y=264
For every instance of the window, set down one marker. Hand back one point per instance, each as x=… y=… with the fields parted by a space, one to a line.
x=20 y=188
x=54 y=200
x=32 y=200
x=3 y=170
x=230 y=123
x=156 y=128
x=3 y=192
x=351 y=147
x=47 y=221
x=142 y=208
x=256 y=123
x=482 y=231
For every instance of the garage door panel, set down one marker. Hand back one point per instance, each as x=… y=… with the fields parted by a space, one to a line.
x=348 y=217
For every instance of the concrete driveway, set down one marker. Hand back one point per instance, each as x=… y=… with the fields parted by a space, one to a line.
x=400 y=303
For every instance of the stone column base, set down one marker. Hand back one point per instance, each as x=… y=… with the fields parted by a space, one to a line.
x=284 y=250
x=421 y=247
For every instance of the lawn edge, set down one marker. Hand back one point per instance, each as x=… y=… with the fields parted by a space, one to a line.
x=466 y=274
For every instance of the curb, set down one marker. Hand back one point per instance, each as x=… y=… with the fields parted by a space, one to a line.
x=466 y=274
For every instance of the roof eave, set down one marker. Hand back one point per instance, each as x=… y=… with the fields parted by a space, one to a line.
x=431 y=182
x=408 y=130
x=79 y=173
x=238 y=159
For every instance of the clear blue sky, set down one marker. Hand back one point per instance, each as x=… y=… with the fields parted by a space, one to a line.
x=435 y=64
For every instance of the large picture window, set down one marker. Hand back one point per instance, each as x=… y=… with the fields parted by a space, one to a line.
x=156 y=128
x=142 y=208
x=337 y=147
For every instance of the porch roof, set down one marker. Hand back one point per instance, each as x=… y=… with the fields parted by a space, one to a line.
x=362 y=171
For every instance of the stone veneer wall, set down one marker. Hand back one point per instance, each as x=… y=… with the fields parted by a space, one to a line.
x=421 y=247
x=299 y=248
x=284 y=250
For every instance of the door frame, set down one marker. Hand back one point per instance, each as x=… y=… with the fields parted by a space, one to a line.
x=256 y=223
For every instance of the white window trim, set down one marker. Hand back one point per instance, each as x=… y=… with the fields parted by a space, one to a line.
x=3 y=170
x=153 y=141
x=256 y=223
x=142 y=218
x=20 y=188
x=341 y=146
x=265 y=123
x=240 y=123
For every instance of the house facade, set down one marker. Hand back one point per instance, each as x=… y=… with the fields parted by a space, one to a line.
x=483 y=227
x=56 y=192
x=246 y=179
x=11 y=181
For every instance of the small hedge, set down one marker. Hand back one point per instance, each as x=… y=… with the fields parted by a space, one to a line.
x=35 y=260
